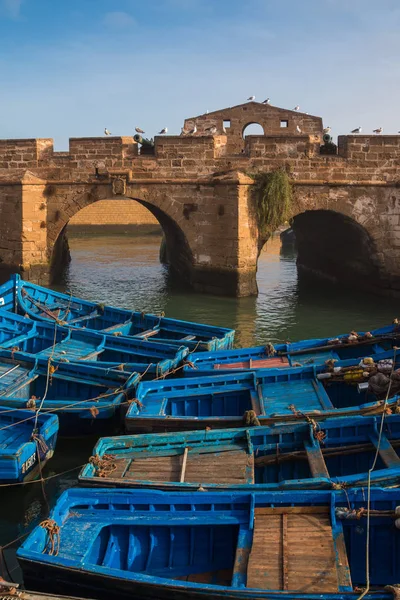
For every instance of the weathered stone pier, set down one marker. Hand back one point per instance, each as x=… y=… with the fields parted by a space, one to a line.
x=345 y=215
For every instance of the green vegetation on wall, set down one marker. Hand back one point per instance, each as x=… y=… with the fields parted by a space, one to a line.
x=273 y=197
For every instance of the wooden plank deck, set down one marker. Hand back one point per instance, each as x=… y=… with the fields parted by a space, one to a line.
x=293 y=551
x=231 y=466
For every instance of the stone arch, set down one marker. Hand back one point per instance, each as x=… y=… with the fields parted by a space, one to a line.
x=337 y=247
x=252 y=128
x=61 y=209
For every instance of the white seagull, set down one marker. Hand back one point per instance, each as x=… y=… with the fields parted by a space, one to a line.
x=267 y=101
x=379 y=130
x=251 y=99
x=326 y=130
x=163 y=131
x=106 y=132
x=297 y=107
x=138 y=130
x=356 y=130
x=298 y=129
x=211 y=130
x=193 y=130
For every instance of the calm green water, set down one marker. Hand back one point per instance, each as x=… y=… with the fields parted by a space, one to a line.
x=124 y=270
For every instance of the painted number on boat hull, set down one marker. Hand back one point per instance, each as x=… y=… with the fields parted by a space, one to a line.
x=2 y=302
x=29 y=463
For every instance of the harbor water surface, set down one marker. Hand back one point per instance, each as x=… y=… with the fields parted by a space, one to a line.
x=124 y=270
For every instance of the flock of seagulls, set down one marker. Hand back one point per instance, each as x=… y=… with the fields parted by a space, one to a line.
x=213 y=130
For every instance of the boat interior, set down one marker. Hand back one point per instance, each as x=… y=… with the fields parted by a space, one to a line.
x=279 y=455
x=275 y=392
x=237 y=541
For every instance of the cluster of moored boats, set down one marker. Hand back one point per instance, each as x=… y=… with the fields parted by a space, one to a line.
x=266 y=472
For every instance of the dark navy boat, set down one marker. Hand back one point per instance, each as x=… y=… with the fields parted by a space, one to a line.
x=373 y=343
x=124 y=544
x=280 y=457
x=25 y=444
x=26 y=338
x=270 y=395
x=85 y=398
x=47 y=305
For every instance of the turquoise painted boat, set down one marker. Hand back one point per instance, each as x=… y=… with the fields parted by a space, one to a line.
x=337 y=452
x=25 y=446
x=123 y=544
x=47 y=305
x=86 y=399
x=26 y=338
x=357 y=344
x=270 y=395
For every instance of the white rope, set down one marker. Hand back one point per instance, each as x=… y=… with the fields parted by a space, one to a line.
x=365 y=592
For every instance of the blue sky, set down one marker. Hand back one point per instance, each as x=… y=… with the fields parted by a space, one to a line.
x=71 y=67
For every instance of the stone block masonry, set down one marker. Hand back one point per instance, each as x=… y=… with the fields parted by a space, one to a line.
x=114 y=212
x=197 y=187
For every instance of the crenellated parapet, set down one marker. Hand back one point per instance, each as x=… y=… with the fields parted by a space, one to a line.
x=197 y=185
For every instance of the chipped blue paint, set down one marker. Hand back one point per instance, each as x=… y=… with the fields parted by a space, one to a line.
x=46 y=305
x=119 y=542
x=19 y=453
x=316 y=470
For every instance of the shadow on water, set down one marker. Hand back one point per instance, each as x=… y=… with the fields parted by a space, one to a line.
x=124 y=270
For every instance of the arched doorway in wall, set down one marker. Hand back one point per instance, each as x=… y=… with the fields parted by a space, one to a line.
x=123 y=245
x=253 y=129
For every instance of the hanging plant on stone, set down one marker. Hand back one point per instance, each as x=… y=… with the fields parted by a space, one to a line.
x=273 y=200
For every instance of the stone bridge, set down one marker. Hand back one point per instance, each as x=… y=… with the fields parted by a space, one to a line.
x=346 y=204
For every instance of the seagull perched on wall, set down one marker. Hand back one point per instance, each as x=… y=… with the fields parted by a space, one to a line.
x=163 y=131
x=267 y=101
x=356 y=130
x=106 y=132
x=138 y=130
x=193 y=130
x=297 y=107
x=378 y=131
x=326 y=130
x=212 y=130
x=298 y=129
x=251 y=99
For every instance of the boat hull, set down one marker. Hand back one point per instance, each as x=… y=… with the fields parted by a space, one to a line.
x=57 y=580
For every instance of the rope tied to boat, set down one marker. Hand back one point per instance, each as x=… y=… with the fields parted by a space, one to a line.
x=31 y=404
x=52 y=546
x=10 y=593
x=318 y=433
x=103 y=466
x=270 y=349
x=190 y=364
x=394 y=590
x=350 y=513
x=41 y=444
x=136 y=401
x=250 y=419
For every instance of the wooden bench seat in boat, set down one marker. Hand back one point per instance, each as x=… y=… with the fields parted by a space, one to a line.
x=295 y=549
x=234 y=466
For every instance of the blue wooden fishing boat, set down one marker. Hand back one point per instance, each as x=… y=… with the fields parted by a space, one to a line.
x=86 y=399
x=116 y=544
x=25 y=446
x=359 y=344
x=22 y=337
x=280 y=457
x=47 y=305
x=270 y=395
